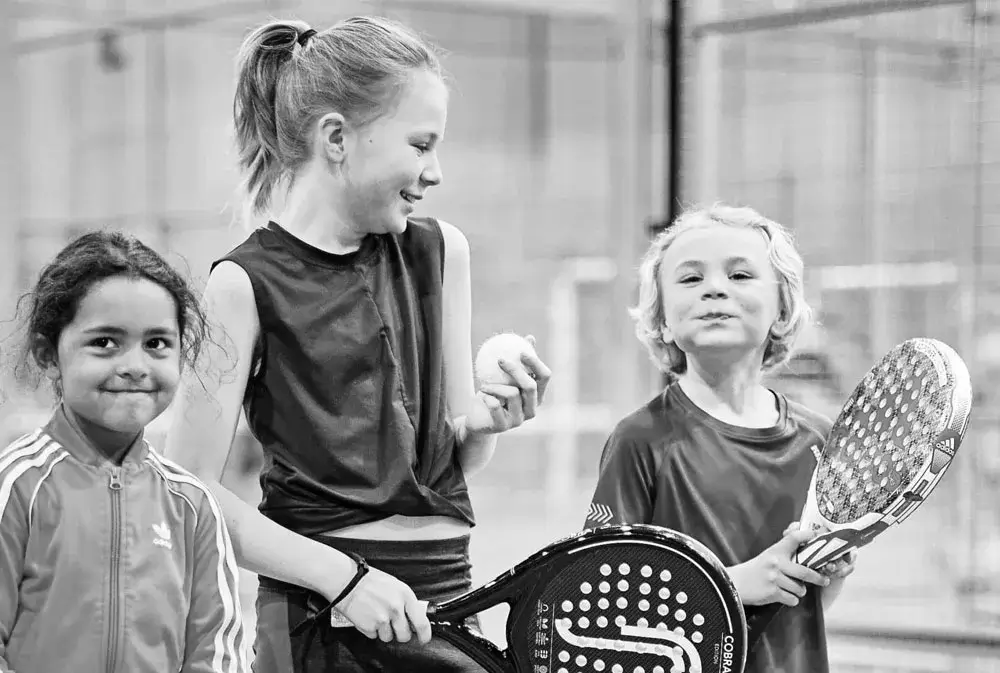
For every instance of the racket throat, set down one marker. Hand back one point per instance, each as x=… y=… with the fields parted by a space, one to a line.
x=831 y=546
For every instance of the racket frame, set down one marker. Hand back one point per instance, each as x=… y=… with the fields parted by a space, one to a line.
x=846 y=537
x=831 y=546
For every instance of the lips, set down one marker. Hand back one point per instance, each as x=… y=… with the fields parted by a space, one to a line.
x=715 y=315
x=410 y=197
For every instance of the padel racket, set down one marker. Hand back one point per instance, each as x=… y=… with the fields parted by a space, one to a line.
x=894 y=439
x=635 y=599
x=614 y=599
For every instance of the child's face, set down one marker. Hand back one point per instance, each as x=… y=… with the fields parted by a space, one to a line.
x=395 y=155
x=119 y=359
x=720 y=292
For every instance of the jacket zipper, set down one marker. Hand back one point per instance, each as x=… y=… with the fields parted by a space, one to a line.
x=116 y=540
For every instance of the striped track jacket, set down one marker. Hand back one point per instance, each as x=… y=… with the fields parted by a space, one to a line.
x=112 y=569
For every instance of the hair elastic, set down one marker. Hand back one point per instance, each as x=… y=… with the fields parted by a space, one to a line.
x=305 y=35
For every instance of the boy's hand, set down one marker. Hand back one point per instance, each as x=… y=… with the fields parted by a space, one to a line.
x=838 y=569
x=773 y=577
x=842 y=567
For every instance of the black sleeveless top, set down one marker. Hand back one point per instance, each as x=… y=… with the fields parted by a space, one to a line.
x=347 y=392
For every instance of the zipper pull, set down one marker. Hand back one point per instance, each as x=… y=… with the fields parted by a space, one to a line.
x=116 y=481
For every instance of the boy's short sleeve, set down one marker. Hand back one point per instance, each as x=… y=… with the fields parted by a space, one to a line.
x=626 y=482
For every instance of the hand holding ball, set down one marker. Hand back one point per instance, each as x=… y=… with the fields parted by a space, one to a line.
x=506 y=346
x=509 y=394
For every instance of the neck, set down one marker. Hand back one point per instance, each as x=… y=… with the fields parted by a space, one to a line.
x=308 y=213
x=733 y=390
x=111 y=444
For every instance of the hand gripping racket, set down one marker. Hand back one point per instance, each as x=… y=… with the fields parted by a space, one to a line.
x=894 y=439
x=615 y=599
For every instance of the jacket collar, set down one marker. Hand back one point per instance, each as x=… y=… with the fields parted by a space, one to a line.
x=65 y=432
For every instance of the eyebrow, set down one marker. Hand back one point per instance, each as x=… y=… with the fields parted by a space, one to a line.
x=697 y=263
x=118 y=331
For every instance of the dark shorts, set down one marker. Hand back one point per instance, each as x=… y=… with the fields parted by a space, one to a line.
x=436 y=570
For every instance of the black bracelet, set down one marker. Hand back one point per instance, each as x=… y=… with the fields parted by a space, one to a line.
x=358 y=576
x=321 y=613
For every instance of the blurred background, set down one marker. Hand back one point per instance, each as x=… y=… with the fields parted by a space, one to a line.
x=577 y=128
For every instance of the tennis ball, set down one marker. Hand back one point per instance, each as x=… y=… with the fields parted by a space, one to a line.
x=504 y=346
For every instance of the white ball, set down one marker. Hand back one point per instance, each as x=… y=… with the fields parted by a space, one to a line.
x=505 y=346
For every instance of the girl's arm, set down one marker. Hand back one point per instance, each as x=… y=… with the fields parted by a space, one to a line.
x=479 y=417
x=200 y=440
x=475 y=450
x=13 y=545
x=206 y=412
x=215 y=635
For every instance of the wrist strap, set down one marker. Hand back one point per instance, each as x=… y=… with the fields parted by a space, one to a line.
x=314 y=619
x=358 y=576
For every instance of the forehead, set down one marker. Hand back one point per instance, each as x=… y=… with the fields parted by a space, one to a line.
x=422 y=104
x=716 y=243
x=133 y=304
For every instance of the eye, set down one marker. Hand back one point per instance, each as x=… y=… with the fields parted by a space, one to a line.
x=421 y=148
x=102 y=343
x=688 y=279
x=159 y=344
x=741 y=275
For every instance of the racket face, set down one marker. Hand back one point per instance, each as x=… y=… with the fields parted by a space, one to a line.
x=893 y=440
x=626 y=599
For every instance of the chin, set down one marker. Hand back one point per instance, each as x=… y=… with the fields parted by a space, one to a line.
x=131 y=418
x=129 y=423
x=397 y=225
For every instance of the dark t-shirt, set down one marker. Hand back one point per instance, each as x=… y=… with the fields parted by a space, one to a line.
x=348 y=392
x=733 y=489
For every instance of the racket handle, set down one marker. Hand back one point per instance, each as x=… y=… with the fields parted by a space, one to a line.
x=339 y=621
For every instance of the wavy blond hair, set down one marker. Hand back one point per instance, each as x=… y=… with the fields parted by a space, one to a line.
x=794 y=312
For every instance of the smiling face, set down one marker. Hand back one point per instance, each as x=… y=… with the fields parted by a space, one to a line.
x=391 y=162
x=117 y=362
x=719 y=293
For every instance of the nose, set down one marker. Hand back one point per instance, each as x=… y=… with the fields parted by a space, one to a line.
x=715 y=286
x=432 y=174
x=133 y=365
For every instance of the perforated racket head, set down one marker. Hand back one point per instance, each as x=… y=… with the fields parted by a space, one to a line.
x=614 y=599
x=892 y=442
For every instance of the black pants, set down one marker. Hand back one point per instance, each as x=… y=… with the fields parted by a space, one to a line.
x=436 y=570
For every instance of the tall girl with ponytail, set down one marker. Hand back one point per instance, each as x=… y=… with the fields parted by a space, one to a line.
x=345 y=333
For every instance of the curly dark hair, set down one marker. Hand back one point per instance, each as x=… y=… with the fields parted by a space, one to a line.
x=86 y=261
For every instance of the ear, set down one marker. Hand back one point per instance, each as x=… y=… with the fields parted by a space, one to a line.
x=780 y=326
x=47 y=357
x=332 y=129
x=666 y=334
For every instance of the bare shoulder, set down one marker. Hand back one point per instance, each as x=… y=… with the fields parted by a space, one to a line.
x=456 y=245
x=229 y=280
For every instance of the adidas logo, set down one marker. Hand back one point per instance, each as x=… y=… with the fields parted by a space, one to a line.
x=162 y=538
x=947 y=445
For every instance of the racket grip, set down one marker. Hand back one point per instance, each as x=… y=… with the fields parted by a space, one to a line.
x=339 y=621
